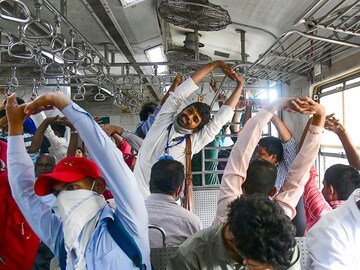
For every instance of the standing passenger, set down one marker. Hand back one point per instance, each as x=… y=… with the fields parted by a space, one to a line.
x=167 y=135
x=85 y=218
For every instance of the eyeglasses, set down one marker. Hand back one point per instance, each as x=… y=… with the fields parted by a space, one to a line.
x=46 y=165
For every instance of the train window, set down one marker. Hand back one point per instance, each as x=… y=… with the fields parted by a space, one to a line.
x=341 y=98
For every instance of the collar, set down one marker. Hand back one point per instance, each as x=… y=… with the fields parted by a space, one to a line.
x=164 y=198
x=336 y=203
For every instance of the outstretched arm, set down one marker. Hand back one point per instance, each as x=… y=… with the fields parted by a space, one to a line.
x=298 y=174
x=177 y=80
x=39 y=134
x=335 y=126
x=284 y=133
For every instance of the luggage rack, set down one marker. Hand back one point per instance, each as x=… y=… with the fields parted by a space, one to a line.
x=337 y=16
x=296 y=53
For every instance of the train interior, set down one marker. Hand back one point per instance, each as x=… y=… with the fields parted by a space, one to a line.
x=111 y=56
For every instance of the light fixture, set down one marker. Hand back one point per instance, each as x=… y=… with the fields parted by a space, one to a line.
x=128 y=3
x=156 y=55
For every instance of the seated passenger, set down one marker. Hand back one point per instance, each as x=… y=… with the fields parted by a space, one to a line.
x=333 y=242
x=257 y=233
x=259 y=181
x=83 y=236
x=166 y=182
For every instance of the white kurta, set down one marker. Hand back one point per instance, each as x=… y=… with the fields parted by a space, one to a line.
x=155 y=142
x=334 y=241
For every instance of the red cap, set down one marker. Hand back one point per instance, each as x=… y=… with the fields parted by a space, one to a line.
x=68 y=170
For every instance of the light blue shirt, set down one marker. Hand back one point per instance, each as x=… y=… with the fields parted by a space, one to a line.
x=146 y=125
x=102 y=251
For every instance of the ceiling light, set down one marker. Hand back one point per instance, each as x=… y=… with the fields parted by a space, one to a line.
x=156 y=55
x=127 y=3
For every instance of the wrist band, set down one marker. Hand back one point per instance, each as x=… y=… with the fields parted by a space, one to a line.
x=313 y=132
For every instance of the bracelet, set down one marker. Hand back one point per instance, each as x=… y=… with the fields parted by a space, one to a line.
x=73 y=132
x=313 y=132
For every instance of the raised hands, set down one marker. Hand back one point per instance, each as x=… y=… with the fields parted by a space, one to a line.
x=333 y=124
x=47 y=102
x=15 y=115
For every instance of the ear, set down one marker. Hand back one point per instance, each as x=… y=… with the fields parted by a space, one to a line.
x=273 y=192
x=274 y=159
x=332 y=193
x=100 y=185
x=178 y=192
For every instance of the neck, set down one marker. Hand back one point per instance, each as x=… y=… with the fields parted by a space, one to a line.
x=228 y=245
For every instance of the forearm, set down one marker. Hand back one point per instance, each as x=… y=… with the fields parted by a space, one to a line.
x=74 y=137
x=38 y=137
x=284 y=132
x=134 y=140
x=198 y=75
x=235 y=96
x=350 y=150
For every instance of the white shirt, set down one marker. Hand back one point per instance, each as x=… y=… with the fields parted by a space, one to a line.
x=334 y=241
x=155 y=141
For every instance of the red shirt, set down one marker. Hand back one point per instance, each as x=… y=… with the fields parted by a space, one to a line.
x=19 y=243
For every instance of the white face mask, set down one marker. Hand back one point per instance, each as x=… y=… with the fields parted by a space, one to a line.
x=77 y=210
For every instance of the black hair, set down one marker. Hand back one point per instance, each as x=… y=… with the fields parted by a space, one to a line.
x=146 y=109
x=82 y=150
x=203 y=110
x=272 y=145
x=60 y=129
x=166 y=176
x=262 y=231
x=344 y=178
x=260 y=177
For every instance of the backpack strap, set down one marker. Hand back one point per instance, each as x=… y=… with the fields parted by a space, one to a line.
x=122 y=238
x=62 y=255
x=188 y=202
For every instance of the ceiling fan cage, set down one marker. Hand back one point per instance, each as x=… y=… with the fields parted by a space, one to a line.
x=184 y=55
x=192 y=15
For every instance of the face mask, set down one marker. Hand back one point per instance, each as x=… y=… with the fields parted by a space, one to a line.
x=180 y=129
x=76 y=209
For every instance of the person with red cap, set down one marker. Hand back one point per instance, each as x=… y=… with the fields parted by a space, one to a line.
x=83 y=227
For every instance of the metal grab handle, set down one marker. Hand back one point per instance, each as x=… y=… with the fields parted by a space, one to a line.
x=16 y=19
x=43 y=24
x=30 y=54
x=127 y=80
x=59 y=70
x=9 y=37
x=86 y=64
x=80 y=95
x=60 y=38
x=42 y=81
x=75 y=51
x=99 y=97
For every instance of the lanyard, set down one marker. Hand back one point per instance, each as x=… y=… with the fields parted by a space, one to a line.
x=168 y=145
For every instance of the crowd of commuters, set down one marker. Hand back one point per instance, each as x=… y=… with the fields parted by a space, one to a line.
x=79 y=194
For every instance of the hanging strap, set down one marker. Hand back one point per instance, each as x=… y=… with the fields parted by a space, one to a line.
x=188 y=202
x=122 y=238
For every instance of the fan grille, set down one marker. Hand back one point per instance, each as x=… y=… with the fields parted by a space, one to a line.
x=183 y=55
x=197 y=16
